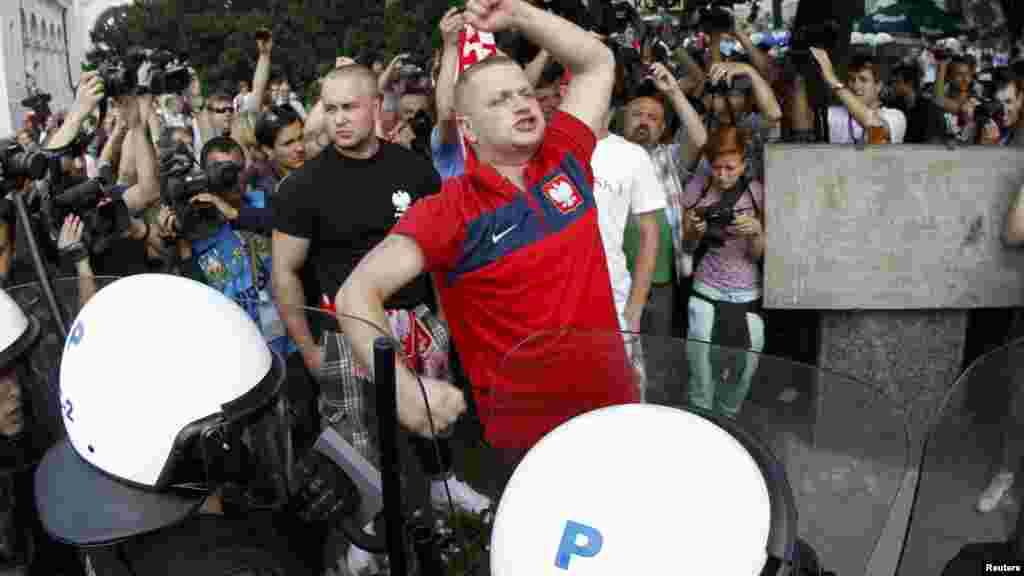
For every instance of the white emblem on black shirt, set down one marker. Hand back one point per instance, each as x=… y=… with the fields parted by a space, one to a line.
x=401 y=201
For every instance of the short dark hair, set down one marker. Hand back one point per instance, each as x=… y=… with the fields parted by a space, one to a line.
x=224 y=144
x=865 y=62
x=908 y=73
x=271 y=122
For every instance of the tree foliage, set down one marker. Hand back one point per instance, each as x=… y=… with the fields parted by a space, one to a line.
x=217 y=36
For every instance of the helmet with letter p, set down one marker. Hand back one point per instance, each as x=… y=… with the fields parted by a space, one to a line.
x=168 y=393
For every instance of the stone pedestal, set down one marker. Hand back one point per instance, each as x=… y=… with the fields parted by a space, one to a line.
x=913 y=355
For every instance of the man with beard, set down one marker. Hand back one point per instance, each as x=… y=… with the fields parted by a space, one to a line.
x=645 y=124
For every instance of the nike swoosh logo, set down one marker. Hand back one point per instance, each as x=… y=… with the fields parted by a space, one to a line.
x=497 y=237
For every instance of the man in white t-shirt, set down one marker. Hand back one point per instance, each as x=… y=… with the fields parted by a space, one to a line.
x=625 y=184
x=862 y=108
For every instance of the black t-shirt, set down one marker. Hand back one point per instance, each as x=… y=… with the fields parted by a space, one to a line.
x=346 y=206
x=925 y=122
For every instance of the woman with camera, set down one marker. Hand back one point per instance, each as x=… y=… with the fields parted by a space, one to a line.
x=723 y=224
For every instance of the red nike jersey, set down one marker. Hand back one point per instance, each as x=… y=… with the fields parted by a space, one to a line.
x=511 y=264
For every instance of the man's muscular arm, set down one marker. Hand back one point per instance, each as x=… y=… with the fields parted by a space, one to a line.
x=393 y=263
x=289 y=255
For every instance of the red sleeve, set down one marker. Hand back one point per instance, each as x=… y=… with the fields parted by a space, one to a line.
x=435 y=223
x=565 y=133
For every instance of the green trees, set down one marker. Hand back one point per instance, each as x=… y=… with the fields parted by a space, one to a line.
x=218 y=35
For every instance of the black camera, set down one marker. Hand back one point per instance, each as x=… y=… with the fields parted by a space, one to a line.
x=740 y=84
x=718 y=218
x=989 y=109
x=120 y=74
x=38 y=103
x=103 y=217
x=421 y=125
x=181 y=182
x=16 y=162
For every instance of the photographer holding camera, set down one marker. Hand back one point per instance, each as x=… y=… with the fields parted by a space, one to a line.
x=235 y=262
x=996 y=117
x=736 y=95
x=724 y=227
x=103 y=209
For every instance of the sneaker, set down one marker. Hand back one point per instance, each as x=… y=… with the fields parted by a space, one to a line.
x=996 y=491
x=463 y=496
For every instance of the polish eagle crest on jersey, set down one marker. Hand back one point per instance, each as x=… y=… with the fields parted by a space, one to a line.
x=401 y=201
x=563 y=194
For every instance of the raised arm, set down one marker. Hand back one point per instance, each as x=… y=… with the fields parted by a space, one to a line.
x=764 y=98
x=535 y=69
x=89 y=95
x=451 y=24
x=865 y=116
x=146 y=191
x=588 y=60
x=695 y=131
x=260 y=78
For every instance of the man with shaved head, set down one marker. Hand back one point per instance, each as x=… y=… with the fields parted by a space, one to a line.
x=514 y=243
x=333 y=211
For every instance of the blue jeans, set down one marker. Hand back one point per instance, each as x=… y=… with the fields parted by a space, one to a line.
x=720 y=378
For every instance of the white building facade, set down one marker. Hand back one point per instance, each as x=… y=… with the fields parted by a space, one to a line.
x=42 y=46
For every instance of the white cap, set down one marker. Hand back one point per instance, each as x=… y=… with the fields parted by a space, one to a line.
x=634 y=489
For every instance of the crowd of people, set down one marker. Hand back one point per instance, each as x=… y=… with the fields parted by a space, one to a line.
x=476 y=209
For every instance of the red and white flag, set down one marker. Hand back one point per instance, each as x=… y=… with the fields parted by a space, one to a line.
x=474 y=46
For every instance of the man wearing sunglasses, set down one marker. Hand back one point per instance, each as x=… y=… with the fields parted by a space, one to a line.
x=213 y=119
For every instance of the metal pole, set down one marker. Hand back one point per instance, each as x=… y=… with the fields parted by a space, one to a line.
x=37 y=261
x=387 y=417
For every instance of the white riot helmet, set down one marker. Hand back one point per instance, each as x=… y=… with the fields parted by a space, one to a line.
x=637 y=488
x=167 y=390
x=18 y=331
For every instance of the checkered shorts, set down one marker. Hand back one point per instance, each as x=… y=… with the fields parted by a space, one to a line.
x=347 y=396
